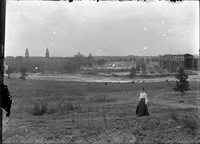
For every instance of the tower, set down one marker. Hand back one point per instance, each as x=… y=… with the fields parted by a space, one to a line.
x=26 y=53
x=47 y=53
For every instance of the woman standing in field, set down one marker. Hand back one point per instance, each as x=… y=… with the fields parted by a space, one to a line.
x=142 y=109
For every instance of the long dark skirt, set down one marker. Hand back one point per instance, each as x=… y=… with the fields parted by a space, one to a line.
x=142 y=109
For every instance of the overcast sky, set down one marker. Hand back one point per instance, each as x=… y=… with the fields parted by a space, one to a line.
x=104 y=28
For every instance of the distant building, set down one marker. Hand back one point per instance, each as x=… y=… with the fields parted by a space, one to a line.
x=45 y=63
x=173 y=62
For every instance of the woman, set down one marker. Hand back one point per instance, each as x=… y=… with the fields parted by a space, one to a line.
x=142 y=109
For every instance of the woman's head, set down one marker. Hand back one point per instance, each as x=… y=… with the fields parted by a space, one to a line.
x=142 y=89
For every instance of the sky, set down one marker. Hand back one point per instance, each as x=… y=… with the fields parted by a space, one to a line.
x=103 y=28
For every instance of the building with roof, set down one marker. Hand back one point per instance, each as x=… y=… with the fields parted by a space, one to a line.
x=173 y=62
x=36 y=64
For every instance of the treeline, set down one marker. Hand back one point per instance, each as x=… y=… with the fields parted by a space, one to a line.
x=79 y=61
x=71 y=64
x=41 y=64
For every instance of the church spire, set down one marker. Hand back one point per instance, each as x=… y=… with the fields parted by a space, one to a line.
x=26 y=53
x=47 y=53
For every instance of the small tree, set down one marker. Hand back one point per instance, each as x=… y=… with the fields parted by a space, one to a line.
x=132 y=72
x=23 y=73
x=182 y=84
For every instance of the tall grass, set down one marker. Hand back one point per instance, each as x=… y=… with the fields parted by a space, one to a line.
x=40 y=108
x=190 y=123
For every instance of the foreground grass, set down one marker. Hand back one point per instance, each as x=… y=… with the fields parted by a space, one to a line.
x=73 y=112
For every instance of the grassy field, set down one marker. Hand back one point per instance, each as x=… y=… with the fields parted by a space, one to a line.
x=100 y=113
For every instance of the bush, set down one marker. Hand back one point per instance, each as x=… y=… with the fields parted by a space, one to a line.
x=173 y=115
x=39 y=110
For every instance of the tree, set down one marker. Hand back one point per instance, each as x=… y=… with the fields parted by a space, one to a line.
x=78 y=60
x=142 y=60
x=132 y=72
x=143 y=66
x=147 y=60
x=19 y=58
x=155 y=59
x=134 y=59
x=101 y=62
x=182 y=84
x=6 y=99
x=137 y=66
x=23 y=73
x=90 y=60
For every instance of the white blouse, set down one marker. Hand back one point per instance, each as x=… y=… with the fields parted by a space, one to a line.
x=143 y=95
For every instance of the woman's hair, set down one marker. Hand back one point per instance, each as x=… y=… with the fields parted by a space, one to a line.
x=143 y=89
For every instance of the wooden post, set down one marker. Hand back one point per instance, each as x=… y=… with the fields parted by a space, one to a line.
x=2 y=43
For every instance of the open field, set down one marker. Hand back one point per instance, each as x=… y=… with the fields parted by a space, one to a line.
x=86 y=112
x=101 y=78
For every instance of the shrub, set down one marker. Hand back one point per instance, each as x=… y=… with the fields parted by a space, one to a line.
x=39 y=110
x=174 y=115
